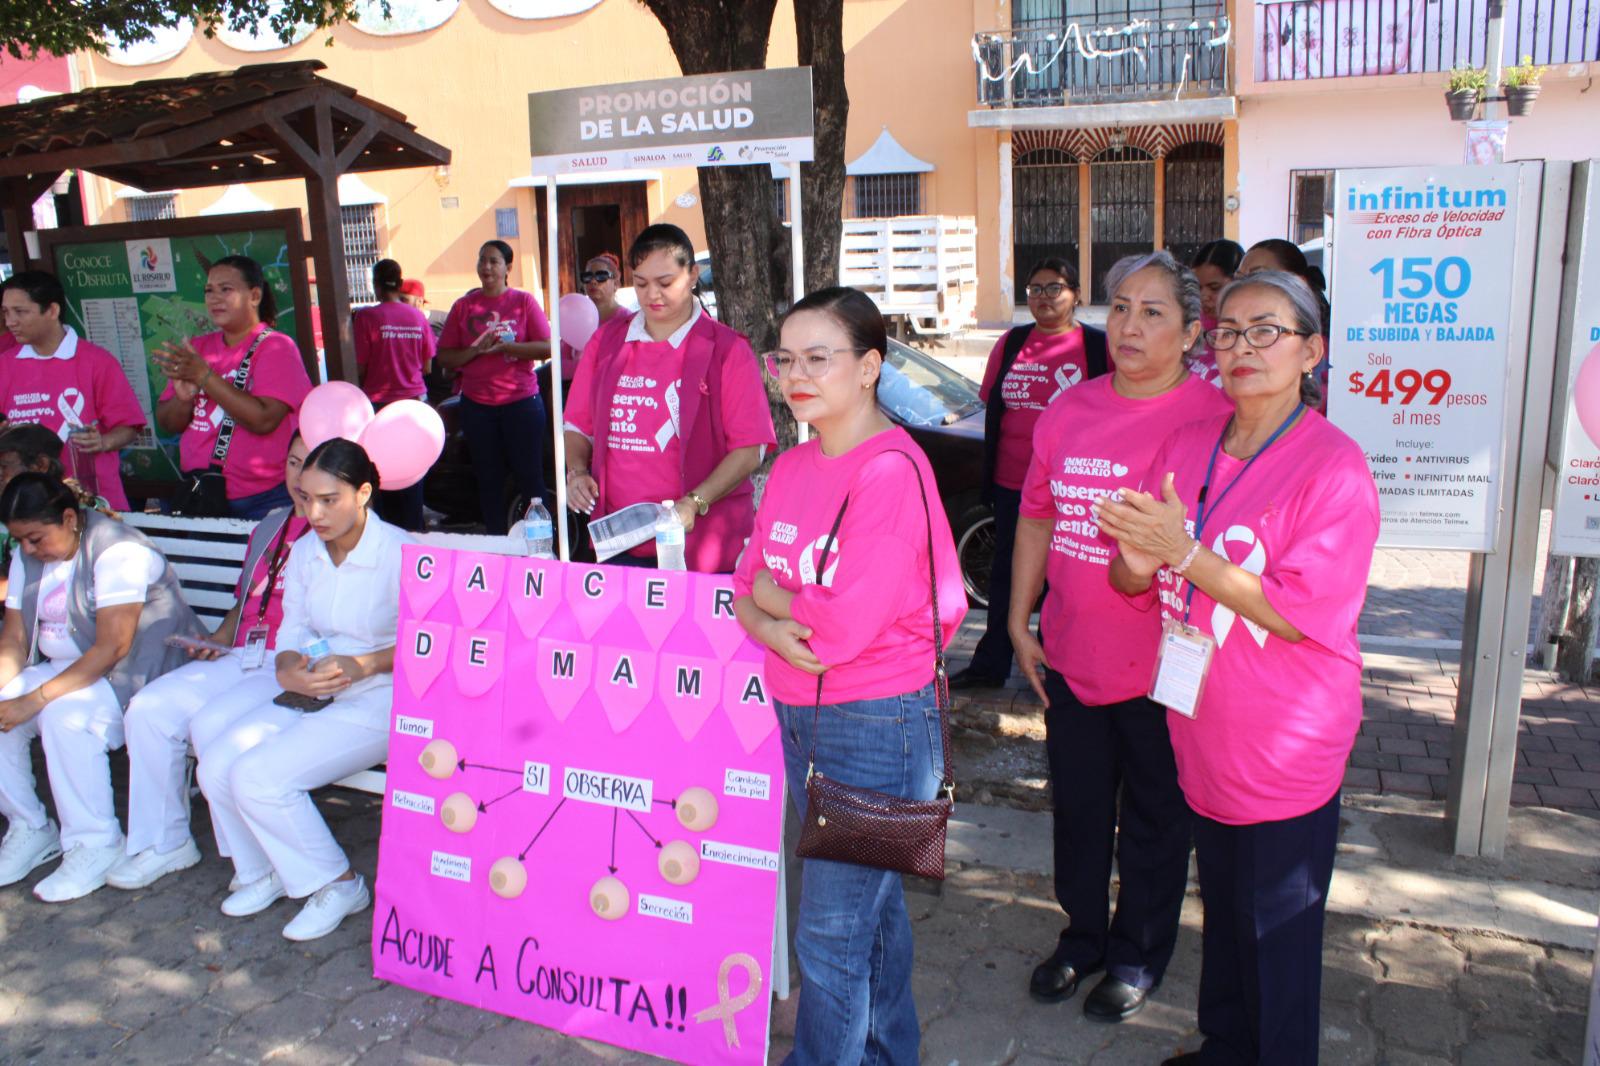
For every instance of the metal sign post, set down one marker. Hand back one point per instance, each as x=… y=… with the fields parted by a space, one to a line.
x=740 y=118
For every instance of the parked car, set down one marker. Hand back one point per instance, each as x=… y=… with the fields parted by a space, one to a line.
x=936 y=405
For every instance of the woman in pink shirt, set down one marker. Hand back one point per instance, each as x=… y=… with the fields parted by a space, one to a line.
x=835 y=583
x=600 y=278
x=493 y=337
x=1112 y=775
x=1029 y=368
x=73 y=388
x=394 y=349
x=1255 y=534
x=668 y=404
x=1214 y=266
x=210 y=391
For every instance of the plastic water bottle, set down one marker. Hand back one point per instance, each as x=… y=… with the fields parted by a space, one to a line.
x=538 y=531
x=628 y=528
x=669 y=540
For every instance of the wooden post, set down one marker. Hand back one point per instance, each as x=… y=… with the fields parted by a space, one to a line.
x=333 y=287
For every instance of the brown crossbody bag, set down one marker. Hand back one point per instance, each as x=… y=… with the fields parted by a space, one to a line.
x=870 y=828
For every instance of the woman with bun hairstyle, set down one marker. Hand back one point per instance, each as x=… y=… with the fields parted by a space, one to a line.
x=394 y=349
x=668 y=404
x=204 y=389
x=492 y=338
x=837 y=584
x=335 y=664
x=93 y=601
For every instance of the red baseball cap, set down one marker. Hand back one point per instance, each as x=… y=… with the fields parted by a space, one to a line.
x=412 y=287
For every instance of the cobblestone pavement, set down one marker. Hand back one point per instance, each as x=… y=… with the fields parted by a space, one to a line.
x=160 y=977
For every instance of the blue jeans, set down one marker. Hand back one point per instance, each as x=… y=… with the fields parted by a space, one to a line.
x=853 y=936
x=261 y=504
x=507 y=435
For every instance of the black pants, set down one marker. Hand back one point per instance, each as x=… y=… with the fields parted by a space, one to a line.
x=1098 y=756
x=500 y=437
x=1265 y=890
x=993 y=655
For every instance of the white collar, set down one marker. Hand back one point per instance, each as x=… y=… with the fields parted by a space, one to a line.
x=637 y=332
x=65 y=350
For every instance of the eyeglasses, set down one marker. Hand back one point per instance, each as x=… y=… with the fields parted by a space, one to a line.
x=1052 y=290
x=600 y=276
x=1263 y=335
x=815 y=362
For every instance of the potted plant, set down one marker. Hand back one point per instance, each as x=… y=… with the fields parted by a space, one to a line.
x=1522 y=86
x=1465 y=89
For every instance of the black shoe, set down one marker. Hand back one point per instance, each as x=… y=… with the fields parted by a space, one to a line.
x=970 y=678
x=1114 y=1000
x=1056 y=980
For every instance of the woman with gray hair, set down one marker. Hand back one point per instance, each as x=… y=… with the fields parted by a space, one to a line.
x=1254 y=532
x=1107 y=744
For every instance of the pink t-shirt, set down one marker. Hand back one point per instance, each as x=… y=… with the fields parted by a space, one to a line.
x=644 y=457
x=496 y=379
x=870 y=615
x=256 y=587
x=1276 y=720
x=394 y=344
x=255 y=463
x=60 y=393
x=1047 y=366
x=1087 y=444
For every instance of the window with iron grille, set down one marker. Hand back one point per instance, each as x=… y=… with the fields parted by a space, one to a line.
x=1106 y=12
x=359 y=223
x=151 y=208
x=1308 y=190
x=888 y=195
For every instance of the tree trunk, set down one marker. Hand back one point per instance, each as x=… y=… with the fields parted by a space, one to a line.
x=1554 y=601
x=1576 y=657
x=819 y=31
x=708 y=37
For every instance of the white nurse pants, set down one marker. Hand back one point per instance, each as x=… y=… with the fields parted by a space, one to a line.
x=258 y=773
x=158 y=725
x=79 y=731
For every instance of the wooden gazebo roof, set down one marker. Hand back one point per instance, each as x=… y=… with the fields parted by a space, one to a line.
x=257 y=123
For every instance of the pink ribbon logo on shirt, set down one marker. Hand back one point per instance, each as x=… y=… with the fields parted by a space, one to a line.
x=1254 y=562
x=70 y=404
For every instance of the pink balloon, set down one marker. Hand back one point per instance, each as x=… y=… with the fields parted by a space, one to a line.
x=336 y=409
x=579 y=319
x=1586 y=395
x=404 y=440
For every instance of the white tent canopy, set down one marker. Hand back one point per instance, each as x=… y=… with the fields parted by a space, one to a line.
x=236 y=199
x=887 y=156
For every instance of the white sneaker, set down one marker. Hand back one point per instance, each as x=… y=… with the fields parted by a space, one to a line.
x=149 y=866
x=25 y=849
x=254 y=897
x=327 y=907
x=80 y=873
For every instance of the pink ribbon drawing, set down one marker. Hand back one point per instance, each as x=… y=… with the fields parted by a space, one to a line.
x=725 y=1007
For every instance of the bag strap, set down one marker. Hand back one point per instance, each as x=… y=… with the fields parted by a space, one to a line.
x=941 y=679
x=241 y=378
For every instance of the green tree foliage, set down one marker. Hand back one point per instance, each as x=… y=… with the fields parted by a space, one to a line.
x=60 y=27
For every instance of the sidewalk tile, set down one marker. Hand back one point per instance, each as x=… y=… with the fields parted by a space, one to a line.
x=1416 y=784
x=1562 y=796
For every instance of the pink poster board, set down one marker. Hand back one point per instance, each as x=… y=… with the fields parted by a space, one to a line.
x=584 y=810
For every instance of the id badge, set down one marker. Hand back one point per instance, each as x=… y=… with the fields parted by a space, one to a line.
x=1183 y=660
x=255 y=648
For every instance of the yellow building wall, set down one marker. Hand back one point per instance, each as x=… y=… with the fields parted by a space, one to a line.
x=465 y=85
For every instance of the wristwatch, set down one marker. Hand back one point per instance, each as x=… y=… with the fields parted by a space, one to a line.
x=701 y=505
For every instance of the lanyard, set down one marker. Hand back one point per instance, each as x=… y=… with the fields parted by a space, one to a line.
x=274 y=567
x=1205 y=487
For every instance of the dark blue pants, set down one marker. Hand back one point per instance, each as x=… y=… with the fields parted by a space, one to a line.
x=1103 y=759
x=1265 y=889
x=401 y=507
x=259 y=505
x=993 y=655
x=500 y=438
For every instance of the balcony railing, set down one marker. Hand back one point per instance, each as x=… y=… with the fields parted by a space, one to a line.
x=1081 y=63
x=1298 y=40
